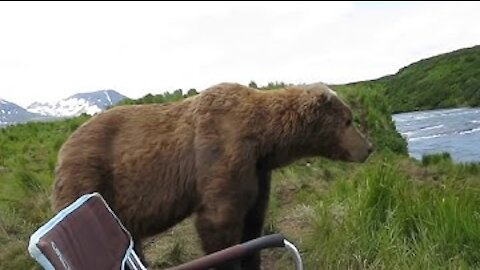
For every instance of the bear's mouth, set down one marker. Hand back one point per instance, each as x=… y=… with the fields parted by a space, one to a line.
x=361 y=156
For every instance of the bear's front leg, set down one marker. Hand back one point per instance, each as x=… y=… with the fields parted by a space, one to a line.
x=254 y=220
x=220 y=221
x=219 y=228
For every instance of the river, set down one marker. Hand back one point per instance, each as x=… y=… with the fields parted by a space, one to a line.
x=456 y=131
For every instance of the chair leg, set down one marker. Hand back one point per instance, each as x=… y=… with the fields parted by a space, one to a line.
x=134 y=262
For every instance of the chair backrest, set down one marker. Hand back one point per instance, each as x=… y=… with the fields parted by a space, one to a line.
x=88 y=235
x=84 y=235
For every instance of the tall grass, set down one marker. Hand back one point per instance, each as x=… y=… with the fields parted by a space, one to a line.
x=27 y=160
x=382 y=218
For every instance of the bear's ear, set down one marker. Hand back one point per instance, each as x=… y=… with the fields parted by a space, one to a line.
x=313 y=103
x=320 y=92
x=324 y=98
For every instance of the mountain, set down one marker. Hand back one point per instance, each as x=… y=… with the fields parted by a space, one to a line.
x=443 y=81
x=89 y=103
x=11 y=113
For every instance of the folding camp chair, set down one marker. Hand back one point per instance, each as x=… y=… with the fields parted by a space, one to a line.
x=88 y=235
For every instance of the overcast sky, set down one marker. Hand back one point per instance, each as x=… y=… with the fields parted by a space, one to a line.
x=52 y=50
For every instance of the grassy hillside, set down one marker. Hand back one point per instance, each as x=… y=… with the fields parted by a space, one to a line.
x=27 y=160
x=392 y=212
x=447 y=80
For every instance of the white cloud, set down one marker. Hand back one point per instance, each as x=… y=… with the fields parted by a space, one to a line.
x=51 y=50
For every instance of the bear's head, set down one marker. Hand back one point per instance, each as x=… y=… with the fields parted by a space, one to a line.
x=330 y=129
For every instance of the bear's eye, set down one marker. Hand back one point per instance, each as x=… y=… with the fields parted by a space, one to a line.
x=349 y=122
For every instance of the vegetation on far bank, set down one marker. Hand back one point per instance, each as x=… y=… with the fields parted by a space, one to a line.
x=444 y=81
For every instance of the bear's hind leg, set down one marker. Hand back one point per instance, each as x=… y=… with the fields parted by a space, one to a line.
x=137 y=246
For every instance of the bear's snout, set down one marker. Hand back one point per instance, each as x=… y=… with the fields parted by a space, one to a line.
x=356 y=145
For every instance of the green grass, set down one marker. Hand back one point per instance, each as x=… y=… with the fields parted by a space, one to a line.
x=27 y=160
x=384 y=218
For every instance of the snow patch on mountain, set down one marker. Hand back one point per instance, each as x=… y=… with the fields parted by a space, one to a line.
x=89 y=103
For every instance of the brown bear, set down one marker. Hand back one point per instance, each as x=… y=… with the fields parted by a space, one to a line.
x=211 y=154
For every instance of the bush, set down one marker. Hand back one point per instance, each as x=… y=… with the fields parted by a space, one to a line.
x=433 y=159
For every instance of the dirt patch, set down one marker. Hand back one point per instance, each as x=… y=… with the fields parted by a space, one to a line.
x=416 y=171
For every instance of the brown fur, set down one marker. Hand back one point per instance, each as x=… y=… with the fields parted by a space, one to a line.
x=211 y=154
